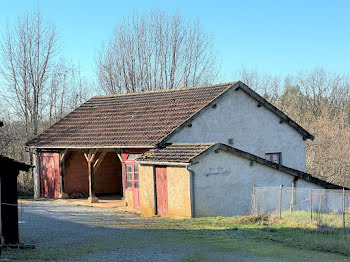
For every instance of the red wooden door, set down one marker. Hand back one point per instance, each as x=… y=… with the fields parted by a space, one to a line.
x=162 y=191
x=49 y=175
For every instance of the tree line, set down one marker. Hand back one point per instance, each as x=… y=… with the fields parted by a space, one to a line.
x=320 y=102
x=154 y=51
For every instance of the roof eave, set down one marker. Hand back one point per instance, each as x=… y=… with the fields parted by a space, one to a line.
x=162 y=163
x=240 y=85
x=291 y=171
x=87 y=147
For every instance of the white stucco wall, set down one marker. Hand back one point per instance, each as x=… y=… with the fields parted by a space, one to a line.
x=253 y=129
x=223 y=183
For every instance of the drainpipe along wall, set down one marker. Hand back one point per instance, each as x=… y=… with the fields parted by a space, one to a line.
x=192 y=193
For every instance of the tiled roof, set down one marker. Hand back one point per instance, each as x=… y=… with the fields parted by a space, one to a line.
x=127 y=120
x=175 y=153
x=186 y=154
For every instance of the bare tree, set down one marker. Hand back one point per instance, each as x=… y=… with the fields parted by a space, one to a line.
x=27 y=58
x=156 y=51
x=320 y=101
x=41 y=86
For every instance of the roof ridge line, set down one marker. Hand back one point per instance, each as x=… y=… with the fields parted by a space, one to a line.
x=209 y=143
x=165 y=90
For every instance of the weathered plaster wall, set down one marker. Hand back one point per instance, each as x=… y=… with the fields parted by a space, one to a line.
x=179 y=192
x=147 y=197
x=253 y=129
x=129 y=197
x=223 y=183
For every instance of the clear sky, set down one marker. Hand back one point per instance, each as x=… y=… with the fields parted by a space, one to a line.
x=275 y=37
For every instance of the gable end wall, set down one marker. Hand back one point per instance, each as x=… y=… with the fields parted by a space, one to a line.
x=253 y=129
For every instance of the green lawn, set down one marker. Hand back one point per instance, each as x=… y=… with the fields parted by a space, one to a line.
x=288 y=231
x=258 y=237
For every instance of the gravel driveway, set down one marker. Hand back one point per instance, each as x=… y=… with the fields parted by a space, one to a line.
x=80 y=233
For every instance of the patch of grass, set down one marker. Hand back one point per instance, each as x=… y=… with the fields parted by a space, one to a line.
x=288 y=231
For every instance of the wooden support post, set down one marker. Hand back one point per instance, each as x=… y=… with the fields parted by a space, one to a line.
x=89 y=157
x=310 y=205
x=343 y=209
x=281 y=186
x=36 y=176
x=62 y=158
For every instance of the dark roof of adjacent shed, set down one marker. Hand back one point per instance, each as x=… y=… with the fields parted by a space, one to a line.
x=191 y=153
x=9 y=162
x=127 y=120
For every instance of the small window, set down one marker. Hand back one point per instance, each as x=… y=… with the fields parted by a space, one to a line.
x=274 y=157
x=128 y=176
x=134 y=156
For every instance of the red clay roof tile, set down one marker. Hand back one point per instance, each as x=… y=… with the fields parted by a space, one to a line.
x=127 y=120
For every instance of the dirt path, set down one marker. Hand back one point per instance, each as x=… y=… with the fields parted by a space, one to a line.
x=66 y=232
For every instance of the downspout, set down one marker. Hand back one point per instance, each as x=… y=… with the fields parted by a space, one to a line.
x=192 y=193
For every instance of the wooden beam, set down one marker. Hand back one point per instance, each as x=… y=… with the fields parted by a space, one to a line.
x=99 y=160
x=86 y=157
x=63 y=154
x=120 y=158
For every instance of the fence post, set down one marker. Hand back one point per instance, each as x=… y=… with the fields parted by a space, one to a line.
x=254 y=208
x=311 y=205
x=343 y=209
x=281 y=186
x=319 y=207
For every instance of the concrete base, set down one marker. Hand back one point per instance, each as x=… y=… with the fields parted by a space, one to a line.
x=93 y=199
x=64 y=196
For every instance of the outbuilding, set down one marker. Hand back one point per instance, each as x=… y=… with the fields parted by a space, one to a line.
x=185 y=180
x=156 y=150
x=9 y=170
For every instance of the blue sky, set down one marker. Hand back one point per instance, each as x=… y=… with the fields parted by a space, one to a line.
x=274 y=37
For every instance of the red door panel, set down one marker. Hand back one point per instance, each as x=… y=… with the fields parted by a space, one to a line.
x=162 y=191
x=49 y=175
x=132 y=177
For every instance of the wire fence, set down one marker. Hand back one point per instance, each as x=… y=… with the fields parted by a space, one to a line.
x=328 y=207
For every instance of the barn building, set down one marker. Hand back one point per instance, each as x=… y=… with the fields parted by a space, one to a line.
x=106 y=146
